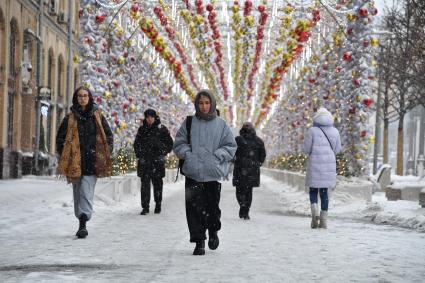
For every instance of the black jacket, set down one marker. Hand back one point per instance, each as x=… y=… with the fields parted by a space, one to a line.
x=151 y=145
x=86 y=125
x=249 y=156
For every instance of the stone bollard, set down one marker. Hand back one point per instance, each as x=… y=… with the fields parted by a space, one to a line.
x=422 y=198
x=392 y=193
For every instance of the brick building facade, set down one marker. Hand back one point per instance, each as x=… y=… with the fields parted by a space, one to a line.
x=38 y=39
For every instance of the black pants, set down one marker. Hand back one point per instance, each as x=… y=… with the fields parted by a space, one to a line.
x=244 y=196
x=145 y=189
x=202 y=208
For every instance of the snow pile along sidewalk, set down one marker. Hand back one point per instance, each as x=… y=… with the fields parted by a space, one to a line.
x=406 y=214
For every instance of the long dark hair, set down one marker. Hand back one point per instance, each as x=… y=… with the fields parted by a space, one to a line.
x=75 y=96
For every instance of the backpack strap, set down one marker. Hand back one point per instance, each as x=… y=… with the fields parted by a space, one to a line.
x=327 y=138
x=188 y=129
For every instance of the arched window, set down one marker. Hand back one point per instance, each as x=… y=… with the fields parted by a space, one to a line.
x=13 y=37
x=60 y=100
x=50 y=66
x=60 y=78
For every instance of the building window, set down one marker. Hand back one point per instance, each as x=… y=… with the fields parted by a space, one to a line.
x=60 y=74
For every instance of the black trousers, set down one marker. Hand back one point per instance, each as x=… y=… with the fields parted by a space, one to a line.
x=145 y=189
x=244 y=196
x=202 y=208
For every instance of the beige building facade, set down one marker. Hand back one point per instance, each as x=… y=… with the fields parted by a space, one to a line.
x=38 y=39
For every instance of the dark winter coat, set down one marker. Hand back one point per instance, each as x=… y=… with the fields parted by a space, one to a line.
x=86 y=125
x=151 y=145
x=250 y=155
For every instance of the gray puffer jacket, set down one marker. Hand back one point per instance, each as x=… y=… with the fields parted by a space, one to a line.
x=211 y=148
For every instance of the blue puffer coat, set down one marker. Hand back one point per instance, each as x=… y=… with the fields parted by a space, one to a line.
x=211 y=148
x=321 y=166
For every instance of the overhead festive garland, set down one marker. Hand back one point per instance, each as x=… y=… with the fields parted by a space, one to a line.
x=217 y=47
x=237 y=29
x=286 y=24
x=146 y=25
x=259 y=37
x=195 y=24
x=294 y=46
x=338 y=78
x=171 y=35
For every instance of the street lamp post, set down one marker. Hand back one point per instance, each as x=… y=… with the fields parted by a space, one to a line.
x=378 y=105
x=378 y=121
x=43 y=94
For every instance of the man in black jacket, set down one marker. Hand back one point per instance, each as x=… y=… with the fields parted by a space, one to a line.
x=249 y=157
x=153 y=142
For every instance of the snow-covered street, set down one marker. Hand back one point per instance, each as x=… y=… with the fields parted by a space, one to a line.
x=38 y=243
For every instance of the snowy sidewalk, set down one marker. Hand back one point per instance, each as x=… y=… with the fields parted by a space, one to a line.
x=37 y=230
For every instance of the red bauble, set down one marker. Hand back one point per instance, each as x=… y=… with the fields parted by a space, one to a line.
x=366 y=43
x=157 y=10
x=363 y=12
x=261 y=8
x=100 y=19
x=135 y=7
x=363 y=134
x=356 y=82
x=209 y=7
x=368 y=101
x=346 y=56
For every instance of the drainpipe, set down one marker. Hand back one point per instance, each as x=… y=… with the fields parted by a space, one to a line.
x=39 y=83
x=70 y=61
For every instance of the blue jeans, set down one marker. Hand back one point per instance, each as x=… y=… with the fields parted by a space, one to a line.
x=324 y=200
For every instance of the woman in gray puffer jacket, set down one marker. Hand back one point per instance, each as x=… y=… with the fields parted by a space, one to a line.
x=207 y=155
x=321 y=143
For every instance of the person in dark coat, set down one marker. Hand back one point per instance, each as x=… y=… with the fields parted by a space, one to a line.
x=153 y=142
x=84 y=143
x=249 y=157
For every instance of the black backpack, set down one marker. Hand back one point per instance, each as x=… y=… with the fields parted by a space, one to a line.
x=181 y=161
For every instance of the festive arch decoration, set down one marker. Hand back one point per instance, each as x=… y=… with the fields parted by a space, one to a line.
x=269 y=62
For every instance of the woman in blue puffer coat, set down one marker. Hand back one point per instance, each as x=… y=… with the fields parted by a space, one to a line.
x=321 y=143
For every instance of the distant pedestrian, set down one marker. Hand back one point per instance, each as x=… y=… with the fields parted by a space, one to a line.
x=153 y=142
x=84 y=143
x=207 y=154
x=321 y=143
x=248 y=160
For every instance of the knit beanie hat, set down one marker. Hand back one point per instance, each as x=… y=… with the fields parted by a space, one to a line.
x=150 y=112
x=322 y=112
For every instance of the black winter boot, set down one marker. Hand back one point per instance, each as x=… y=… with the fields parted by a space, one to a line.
x=82 y=231
x=157 y=208
x=213 y=240
x=241 y=213
x=199 y=248
x=144 y=211
x=246 y=215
